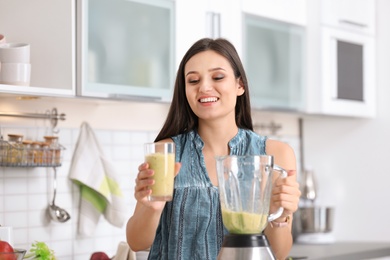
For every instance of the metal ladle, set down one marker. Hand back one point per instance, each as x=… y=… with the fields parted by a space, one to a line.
x=308 y=184
x=57 y=213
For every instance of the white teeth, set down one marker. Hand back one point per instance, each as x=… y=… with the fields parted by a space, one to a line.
x=210 y=99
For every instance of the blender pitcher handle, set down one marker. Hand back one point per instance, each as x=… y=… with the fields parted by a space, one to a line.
x=278 y=213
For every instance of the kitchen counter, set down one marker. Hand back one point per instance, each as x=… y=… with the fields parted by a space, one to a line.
x=341 y=250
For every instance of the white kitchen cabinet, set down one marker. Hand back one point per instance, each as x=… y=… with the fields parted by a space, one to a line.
x=348 y=74
x=354 y=15
x=230 y=12
x=207 y=18
x=290 y=11
x=126 y=49
x=274 y=59
x=49 y=28
x=341 y=66
x=132 y=49
x=191 y=25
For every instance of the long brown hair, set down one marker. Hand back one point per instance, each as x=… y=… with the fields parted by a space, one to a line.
x=180 y=117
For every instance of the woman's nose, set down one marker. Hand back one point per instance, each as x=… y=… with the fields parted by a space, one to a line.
x=205 y=86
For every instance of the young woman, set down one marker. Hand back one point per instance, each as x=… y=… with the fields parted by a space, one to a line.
x=210 y=116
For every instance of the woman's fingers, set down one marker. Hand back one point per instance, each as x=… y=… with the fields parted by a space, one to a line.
x=143 y=182
x=177 y=168
x=286 y=193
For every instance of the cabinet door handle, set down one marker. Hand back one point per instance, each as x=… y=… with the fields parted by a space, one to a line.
x=133 y=97
x=214 y=24
x=361 y=25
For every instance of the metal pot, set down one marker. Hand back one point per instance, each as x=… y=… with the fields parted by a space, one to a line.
x=313 y=220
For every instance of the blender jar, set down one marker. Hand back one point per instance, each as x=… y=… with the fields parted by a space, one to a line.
x=245 y=184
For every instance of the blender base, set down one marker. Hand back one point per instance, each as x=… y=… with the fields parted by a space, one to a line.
x=245 y=247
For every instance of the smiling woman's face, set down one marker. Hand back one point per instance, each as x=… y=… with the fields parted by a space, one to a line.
x=211 y=88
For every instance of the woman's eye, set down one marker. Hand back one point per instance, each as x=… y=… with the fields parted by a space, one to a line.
x=218 y=77
x=193 y=81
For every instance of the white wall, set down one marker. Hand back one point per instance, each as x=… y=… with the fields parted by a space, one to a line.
x=350 y=157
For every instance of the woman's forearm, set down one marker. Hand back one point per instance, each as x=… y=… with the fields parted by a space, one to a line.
x=280 y=239
x=141 y=227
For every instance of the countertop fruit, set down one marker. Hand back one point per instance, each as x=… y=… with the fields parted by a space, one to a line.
x=5 y=247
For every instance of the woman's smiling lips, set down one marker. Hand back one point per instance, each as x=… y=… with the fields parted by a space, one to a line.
x=208 y=100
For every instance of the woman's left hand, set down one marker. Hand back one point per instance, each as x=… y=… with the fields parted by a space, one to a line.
x=285 y=194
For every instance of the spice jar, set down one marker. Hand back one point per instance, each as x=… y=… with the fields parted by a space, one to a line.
x=28 y=153
x=37 y=153
x=54 y=148
x=3 y=150
x=46 y=154
x=15 y=149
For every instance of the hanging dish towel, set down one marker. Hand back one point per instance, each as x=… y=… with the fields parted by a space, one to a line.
x=100 y=192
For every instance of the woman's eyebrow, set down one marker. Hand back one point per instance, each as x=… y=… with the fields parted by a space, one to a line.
x=190 y=72
x=213 y=69
x=217 y=68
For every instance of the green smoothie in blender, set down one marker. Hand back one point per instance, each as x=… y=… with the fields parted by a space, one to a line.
x=243 y=222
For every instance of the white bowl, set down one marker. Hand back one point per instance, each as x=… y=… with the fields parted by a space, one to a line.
x=15 y=74
x=15 y=53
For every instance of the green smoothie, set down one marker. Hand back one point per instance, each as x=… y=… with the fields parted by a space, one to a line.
x=243 y=222
x=164 y=174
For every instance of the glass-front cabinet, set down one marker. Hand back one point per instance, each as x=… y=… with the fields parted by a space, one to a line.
x=274 y=57
x=48 y=27
x=126 y=49
x=289 y=11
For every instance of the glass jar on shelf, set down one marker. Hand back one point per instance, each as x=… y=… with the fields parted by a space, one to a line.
x=28 y=153
x=54 y=148
x=46 y=154
x=3 y=150
x=15 y=149
x=37 y=153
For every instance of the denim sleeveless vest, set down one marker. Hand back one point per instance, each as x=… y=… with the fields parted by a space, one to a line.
x=191 y=224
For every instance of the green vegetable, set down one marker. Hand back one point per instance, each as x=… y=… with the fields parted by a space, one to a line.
x=40 y=251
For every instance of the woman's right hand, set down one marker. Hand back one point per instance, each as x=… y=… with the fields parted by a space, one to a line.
x=142 y=186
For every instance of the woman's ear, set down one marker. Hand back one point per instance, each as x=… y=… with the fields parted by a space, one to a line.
x=240 y=88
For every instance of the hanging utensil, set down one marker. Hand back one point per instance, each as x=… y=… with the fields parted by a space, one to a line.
x=308 y=184
x=57 y=213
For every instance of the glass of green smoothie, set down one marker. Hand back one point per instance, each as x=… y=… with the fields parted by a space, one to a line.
x=161 y=159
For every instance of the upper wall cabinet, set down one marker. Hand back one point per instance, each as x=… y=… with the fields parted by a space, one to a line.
x=207 y=18
x=126 y=49
x=342 y=58
x=49 y=27
x=230 y=24
x=274 y=58
x=188 y=29
x=132 y=49
x=354 y=15
x=290 y=11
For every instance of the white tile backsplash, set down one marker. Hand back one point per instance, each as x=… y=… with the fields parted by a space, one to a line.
x=16 y=186
x=15 y=219
x=35 y=201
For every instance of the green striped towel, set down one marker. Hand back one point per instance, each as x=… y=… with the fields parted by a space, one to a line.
x=100 y=191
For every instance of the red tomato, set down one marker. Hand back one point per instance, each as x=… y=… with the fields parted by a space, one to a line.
x=6 y=251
